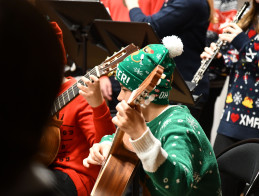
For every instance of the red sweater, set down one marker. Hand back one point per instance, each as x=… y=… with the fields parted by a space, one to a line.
x=119 y=12
x=82 y=127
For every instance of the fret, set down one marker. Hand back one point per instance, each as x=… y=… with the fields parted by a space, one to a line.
x=63 y=99
x=68 y=96
x=59 y=102
x=73 y=91
x=97 y=71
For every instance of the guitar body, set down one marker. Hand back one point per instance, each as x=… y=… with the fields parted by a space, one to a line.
x=119 y=168
x=50 y=142
x=117 y=171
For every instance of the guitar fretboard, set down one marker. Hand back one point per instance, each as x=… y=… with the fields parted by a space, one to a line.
x=105 y=68
x=63 y=99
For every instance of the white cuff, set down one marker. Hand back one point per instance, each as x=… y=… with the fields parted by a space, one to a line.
x=149 y=150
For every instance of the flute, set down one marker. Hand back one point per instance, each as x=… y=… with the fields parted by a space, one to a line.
x=206 y=62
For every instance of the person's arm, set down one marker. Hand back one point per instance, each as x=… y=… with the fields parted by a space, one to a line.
x=240 y=41
x=232 y=34
x=157 y=160
x=106 y=87
x=246 y=43
x=174 y=16
x=167 y=162
x=92 y=91
x=101 y=113
x=102 y=121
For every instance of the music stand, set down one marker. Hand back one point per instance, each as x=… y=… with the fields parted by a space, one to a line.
x=75 y=19
x=114 y=35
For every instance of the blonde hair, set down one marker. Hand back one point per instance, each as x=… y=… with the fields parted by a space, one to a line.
x=251 y=17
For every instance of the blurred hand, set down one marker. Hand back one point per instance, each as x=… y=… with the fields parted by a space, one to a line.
x=130 y=120
x=98 y=154
x=230 y=32
x=106 y=87
x=208 y=52
x=91 y=92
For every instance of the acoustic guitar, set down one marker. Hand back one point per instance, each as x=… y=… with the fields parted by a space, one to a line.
x=121 y=163
x=50 y=141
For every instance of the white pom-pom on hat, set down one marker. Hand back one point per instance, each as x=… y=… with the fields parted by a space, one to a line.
x=174 y=45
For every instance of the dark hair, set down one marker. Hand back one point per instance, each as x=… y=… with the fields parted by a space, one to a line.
x=31 y=75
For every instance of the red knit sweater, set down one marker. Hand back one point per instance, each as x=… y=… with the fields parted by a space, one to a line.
x=82 y=127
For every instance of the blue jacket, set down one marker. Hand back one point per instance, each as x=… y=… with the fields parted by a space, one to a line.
x=189 y=20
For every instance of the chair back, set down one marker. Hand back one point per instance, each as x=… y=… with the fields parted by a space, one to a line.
x=241 y=160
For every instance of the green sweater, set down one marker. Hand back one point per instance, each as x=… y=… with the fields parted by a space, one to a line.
x=176 y=156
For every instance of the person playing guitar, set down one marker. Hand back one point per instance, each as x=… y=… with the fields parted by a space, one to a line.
x=176 y=156
x=84 y=123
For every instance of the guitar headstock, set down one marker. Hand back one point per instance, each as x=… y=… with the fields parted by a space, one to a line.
x=138 y=96
x=109 y=66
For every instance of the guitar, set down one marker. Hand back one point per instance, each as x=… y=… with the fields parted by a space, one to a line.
x=50 y=141
x=121 y=163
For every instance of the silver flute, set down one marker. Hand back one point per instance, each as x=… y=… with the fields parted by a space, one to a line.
x=206 y=62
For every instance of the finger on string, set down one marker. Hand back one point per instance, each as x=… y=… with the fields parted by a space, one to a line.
x=94 y=78
x=86 y=80
x=124 y=105
x=115 y=121
x=105 y=151
x=81 y=87
x=85 y=162
x=96 y=156
x=88 y=161
x=119 y=107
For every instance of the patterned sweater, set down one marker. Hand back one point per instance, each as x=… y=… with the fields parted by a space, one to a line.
x=176 y=156
x=82 y=127
x=240 y=116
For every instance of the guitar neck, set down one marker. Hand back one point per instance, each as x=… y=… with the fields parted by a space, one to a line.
x=67 y=96
x=105 y=68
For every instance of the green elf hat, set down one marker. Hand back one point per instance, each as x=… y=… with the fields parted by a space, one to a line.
x=135 y=68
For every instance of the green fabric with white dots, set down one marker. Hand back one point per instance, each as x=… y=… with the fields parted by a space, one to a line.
x=191 y=167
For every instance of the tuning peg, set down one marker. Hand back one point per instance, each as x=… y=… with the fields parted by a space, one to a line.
x=151 y=97
x=163 y=76
x=158 y=82
x=110 y=74
x=147 y=102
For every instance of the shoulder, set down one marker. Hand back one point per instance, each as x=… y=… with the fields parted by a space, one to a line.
x=179 y=118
